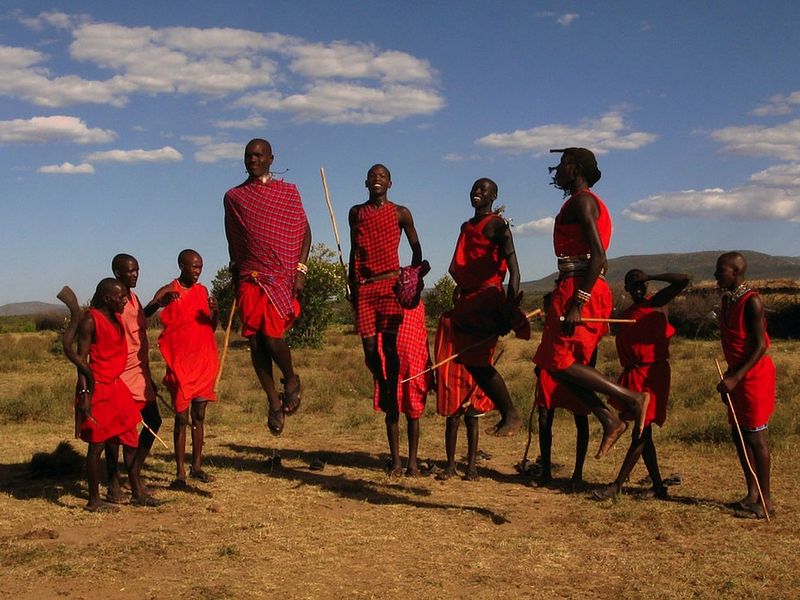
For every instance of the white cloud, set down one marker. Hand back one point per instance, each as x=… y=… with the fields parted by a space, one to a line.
x=339 y=82
x=609 y=132
x=210 y=153
x=778 y=105
x=535 y=228
x=165 y=154
x=456 y=157
x=781 y=141
x=771 y=194
x=355 y=61
x=251 y=122
x=331 y=102
x=57 y=127
x=67 y=168
x=567 y=18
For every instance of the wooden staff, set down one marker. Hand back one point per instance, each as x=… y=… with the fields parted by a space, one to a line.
x=225 y=343
x=601 y=320
x=335 y=229
x=155 y=435
x=533 y=314
x=741 y=440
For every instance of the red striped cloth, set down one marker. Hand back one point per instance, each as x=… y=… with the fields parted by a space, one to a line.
x=456 y=389
x=265 y=224
x=412 y=347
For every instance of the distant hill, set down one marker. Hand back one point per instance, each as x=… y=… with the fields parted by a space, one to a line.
x=30 y=308
x=700 y=265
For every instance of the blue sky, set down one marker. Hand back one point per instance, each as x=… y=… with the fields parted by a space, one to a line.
x=123 y=124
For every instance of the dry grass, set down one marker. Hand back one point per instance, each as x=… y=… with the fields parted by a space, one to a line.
x=350 y=531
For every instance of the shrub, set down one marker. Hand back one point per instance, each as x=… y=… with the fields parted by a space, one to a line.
x=440 y=299
x=49 y=322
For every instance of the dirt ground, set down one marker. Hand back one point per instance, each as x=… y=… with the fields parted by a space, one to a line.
x=265 y=530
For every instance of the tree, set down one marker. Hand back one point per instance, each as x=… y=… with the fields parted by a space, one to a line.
x=440 y=299
x=324 y=287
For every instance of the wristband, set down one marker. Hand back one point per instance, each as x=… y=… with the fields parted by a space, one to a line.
x=303 y=268
x=583 y=297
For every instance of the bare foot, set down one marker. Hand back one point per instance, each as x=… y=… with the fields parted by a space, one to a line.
x=643 y=415
x=413 y=472
x=394 y=469
x=610 y=437
x=506 y=427
x=446 y=474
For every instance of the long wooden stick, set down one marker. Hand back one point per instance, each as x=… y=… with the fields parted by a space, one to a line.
x=225 y=345
x=155 y=435
x=741 y=440
x=533 y=314
x=601 y=320
x=335 y=229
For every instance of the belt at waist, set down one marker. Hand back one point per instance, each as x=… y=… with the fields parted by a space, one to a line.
x=576 y=273
x=379 y=277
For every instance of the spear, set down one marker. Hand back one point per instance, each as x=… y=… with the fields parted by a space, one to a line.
x=741 y=441
x=335 y=229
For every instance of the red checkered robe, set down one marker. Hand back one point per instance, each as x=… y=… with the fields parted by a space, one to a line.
x=114 y=414
x=456 y=391
x=412 y=348
x=377 y=238
x=137 y=367
x=643 y=349
x=754 y=396
x=265 y=224
x=188 y=346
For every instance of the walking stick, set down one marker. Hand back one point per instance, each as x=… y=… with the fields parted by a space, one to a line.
x=335 y=229
x=741 y=441
x=534 y=313
x=225 y=344
x=154 y=434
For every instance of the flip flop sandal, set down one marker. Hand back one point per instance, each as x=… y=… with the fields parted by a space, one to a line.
x=202 y=476
x=275 y=421
x=146 y=501
x=179 y=484
x=114 y=499
x=291 y=400
x=316 y=464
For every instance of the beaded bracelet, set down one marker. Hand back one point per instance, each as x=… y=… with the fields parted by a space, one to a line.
x=302 y=268
x=583 y=296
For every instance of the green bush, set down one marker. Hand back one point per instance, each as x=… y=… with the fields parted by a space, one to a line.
x=440 y=299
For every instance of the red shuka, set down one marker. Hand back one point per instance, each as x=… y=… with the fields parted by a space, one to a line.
x=113 y=412
x=412 y=349
x=456 y=389
x=478 y=270
x=643 y=350
x=754 y=397
x=137 y=368
x=188 y=346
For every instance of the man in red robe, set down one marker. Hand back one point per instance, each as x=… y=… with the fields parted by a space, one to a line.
x=581 y=236
x=107 y=414
x=137 y=369
x=375 y=229
x=189 y=349
x=749 y=381
x=268 y=241
x=643 y=350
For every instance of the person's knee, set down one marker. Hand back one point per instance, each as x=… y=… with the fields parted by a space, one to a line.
x=392 y=416
x=198 y=412
x=182 y=419
x=151 y=416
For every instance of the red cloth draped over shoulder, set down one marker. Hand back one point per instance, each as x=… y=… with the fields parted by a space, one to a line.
x=137 y=368
x=643 y=350
x=265 y=224
x=188 y=346
x=754 y=397
x=377 y=238
x=114 y=412
x=568 y=238
x=476 y=262
x=412 y=349
x=456 y=389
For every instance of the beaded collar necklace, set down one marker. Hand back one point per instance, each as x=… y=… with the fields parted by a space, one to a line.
x=734 y=295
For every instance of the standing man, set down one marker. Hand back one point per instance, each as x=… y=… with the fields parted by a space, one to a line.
x=137 y=370
x=269 y=239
